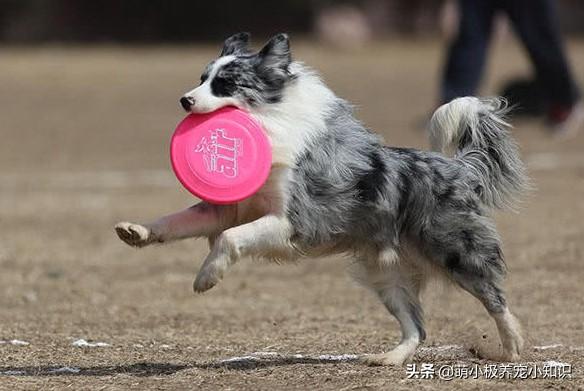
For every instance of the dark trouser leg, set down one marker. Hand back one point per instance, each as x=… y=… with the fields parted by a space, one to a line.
x=535 y=21
x=466 y=54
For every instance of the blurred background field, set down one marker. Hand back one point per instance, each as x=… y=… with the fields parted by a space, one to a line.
x=85 y=120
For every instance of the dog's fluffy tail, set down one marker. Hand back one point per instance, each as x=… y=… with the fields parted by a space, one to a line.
x=475 y=131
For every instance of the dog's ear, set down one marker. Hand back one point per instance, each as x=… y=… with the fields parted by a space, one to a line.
x=276 y=53
x=235 y=44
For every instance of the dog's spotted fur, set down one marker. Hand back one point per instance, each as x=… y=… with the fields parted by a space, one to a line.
x=401 y=214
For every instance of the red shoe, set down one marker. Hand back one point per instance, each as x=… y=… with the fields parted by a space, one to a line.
x=566 y=121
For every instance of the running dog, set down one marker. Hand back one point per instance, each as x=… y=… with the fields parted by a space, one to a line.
x=402 y=215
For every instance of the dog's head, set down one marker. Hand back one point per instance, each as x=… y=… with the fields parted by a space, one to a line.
x=242 y=78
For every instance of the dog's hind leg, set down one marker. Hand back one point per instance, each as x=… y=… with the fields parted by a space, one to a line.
x=510 y=334
x=268 y=236
x=467 y=247
x=201 y=220
x=399 y=292
x=492 y=296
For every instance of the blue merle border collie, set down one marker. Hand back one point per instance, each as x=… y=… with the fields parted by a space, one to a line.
x=402 y=215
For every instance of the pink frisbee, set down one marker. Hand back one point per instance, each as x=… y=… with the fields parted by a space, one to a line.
x=221 y=157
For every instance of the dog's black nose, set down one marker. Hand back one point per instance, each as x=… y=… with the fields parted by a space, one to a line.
x=186 y=102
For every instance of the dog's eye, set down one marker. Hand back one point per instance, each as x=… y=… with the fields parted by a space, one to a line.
x=223 y=86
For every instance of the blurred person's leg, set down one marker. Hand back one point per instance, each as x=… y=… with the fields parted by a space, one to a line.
x=466 y=54
x=536 y=23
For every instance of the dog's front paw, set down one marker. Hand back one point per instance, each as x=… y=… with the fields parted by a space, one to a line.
x=206 y=279
x=135 y=235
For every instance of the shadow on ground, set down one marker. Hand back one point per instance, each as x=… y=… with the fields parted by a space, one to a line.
x=145 y=369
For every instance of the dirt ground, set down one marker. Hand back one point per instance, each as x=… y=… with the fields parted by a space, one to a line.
x=84 y=137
